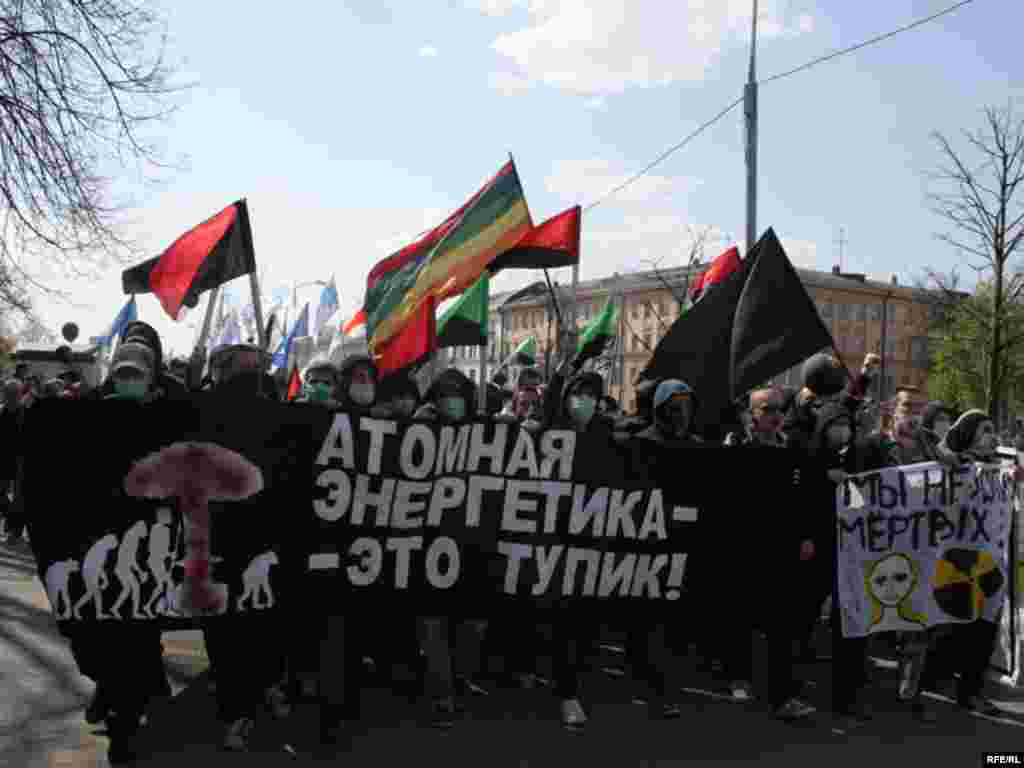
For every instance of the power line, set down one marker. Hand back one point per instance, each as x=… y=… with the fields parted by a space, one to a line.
x=660 y=158
x=866 y=43
x=827 y=57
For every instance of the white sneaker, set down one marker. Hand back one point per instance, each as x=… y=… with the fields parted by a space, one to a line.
x=236 y=738
x=794 y=709
x=573 y=716
x=741 y=690
x=278 y=704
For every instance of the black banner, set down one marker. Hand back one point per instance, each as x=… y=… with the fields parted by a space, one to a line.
x=319 y=511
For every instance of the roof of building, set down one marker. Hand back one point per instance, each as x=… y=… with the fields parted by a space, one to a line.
x=80 y=353
x=675 y=277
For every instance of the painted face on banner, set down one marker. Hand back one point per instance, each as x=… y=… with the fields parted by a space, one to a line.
x=892 y=580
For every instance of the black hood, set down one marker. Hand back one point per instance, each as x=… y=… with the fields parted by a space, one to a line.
x=823 y=376
x=931 y=413
x=146 y=334
x=586 y=377
x=644 y=393
x=398 y=385
x=349 y=364
x=466 y=388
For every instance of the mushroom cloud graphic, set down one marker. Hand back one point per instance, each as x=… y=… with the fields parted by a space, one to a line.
x=196 y=474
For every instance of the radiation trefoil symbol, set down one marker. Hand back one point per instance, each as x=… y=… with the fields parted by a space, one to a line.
x=964 y=580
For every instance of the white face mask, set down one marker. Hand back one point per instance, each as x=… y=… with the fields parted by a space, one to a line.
x=362 y=394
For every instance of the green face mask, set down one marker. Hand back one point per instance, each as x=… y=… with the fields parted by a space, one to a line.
x=453 y=407
x=319 y=392
x=130 y=389
x=582 y=409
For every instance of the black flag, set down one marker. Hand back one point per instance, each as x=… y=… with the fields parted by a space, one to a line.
x=696 y=350
x=776 y=324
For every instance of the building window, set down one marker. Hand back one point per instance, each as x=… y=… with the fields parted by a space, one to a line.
x=842 y=311
x=825 y=308
x=860 y=313
x=875 y=313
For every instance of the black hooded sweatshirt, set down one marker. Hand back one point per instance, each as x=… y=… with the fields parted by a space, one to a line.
x=817 y=492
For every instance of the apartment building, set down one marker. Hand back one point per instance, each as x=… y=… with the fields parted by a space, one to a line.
x=854 y=308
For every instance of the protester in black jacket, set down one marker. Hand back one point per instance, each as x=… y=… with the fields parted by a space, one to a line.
x=657 y=452
x=248 y=675
x=573 y=633
x=827 y=464
x=903 y=442
x=777 y=540
x=825 y=381
x=966 y=648
x=450 y=400
x=10 y=438
x=125 y=659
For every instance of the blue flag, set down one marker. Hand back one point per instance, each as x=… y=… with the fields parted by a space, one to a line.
x=129 y=314
x=300 y=329
x=328 y=305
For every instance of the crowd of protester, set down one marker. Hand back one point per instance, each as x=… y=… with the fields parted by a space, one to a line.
x=829 y=425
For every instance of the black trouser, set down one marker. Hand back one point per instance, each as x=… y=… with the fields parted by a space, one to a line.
x=247 y=651
x=341 y=668
x=814 y=578
x=776 y=683
x=126 y=662
x=734 y=643
x=572 y=638
x=513 y=636
x=848 y=657
x=647 y=656
x=965 y=648
x=14 y=514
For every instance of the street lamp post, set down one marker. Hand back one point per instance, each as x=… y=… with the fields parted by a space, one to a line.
x=750 y=115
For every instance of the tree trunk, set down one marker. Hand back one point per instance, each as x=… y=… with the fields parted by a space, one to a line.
x=995 y=353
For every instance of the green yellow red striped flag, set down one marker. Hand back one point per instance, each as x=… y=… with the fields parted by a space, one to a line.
x=448 y=259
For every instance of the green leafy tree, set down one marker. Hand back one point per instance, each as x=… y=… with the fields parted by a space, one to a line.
x=961 y=353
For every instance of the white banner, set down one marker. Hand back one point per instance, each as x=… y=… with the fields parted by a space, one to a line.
x=922 y=545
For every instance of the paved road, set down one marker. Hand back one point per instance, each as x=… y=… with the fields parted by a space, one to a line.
x=41 y=722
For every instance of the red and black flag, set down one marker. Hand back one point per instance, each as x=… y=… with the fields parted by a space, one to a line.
x=555 y=243
x=218 y=250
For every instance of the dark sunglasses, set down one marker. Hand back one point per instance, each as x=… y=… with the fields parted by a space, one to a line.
x=770 y=410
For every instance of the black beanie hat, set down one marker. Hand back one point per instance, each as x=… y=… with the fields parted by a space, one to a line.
x=961 y=434
x=932 y=412
x=823 y=376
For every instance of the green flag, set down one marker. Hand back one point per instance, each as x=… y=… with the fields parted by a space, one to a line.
x=526 y=352
x=599 y=331
x=464 y=323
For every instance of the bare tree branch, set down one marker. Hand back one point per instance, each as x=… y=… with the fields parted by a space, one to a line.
x=977 y=192
x=81 y=83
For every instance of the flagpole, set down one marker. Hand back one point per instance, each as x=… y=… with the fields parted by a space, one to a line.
x=199 y=353
x=750 y=114
x=483 y=379
x=257 y=305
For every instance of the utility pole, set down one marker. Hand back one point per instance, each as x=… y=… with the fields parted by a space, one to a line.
x=750 y=117
x=840 y=243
